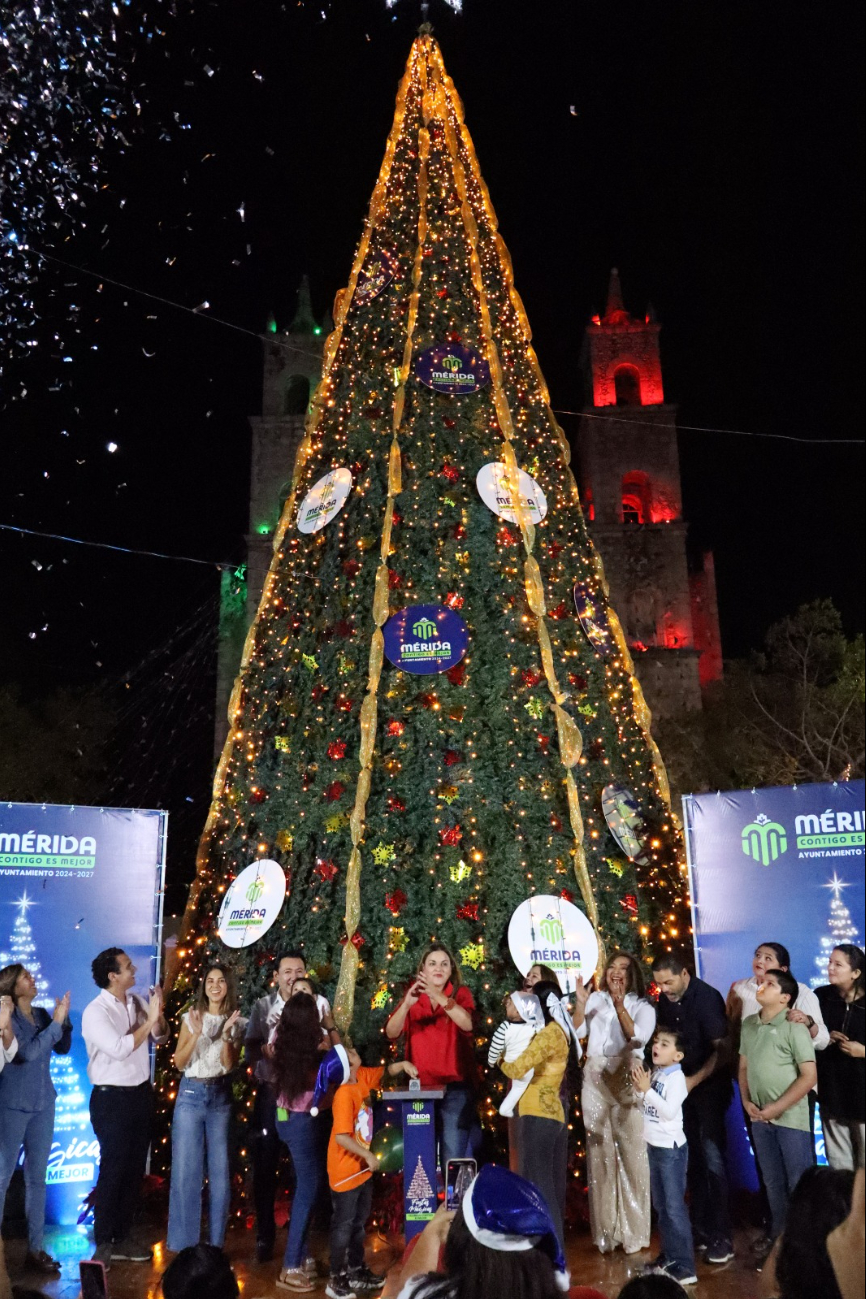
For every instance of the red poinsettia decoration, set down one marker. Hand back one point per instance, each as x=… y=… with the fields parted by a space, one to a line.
x=566 y=895
x=579 y=682
x=554 y=548
x=326 y=870
x=396 y=901
x=530 y=678
x=458 y=532
x=451 y=835
x=449 y=423
x=343 y=704
x=544 y=743
x=335 y=790
x=373 y=412
x=467 y=911
x=555 y=822
x=337 y=750
x=395 y=804
x=342 y=627
x=560 y=611
x=629 y=904
x=453 y=337
x=318 y=692
x=454 y=601
x=505 y=537
x=258 y=796
x=457 y=674
x=450 y=473
x=396 y=518
x=395 y=727
x=351 y=567
x=395 y=581
x=428 y=700
x=452 y=757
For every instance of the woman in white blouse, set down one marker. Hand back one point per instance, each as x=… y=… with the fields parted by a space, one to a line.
x=619 y=1021
x=207 y=1052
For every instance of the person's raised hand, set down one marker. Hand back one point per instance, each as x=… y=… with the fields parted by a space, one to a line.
x=616 y=988
x=5 y=1013
x=414 y=992
x=230 y=1022
x=154 y=1006
x=61 y=1008
x=641 y=1077
x=582 y=994
x=195 y=1020
x=440 y=1224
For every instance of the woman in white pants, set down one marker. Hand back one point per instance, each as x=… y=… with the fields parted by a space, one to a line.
x=619 y=1021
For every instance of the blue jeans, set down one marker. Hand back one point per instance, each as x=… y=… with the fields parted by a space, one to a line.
x=455 y=1116
x=202 y=1118
x=35 y=1132
x=668 y=1176
x=300 y=1132
x=784 y=1155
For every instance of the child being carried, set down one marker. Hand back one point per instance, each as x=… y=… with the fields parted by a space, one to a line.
x=523 y=1019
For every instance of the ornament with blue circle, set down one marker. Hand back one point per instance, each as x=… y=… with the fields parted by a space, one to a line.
x=425 y=638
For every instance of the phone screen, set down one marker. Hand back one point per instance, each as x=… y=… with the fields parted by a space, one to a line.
x=459 y=1174
x=94 y=1282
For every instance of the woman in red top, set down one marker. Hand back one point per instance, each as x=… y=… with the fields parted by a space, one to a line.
x=436 y=1016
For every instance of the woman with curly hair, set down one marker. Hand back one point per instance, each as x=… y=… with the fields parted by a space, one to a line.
x=297 y=1053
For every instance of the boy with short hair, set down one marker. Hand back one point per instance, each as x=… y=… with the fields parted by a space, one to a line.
x=777 y=1072
x=664 y=1091
x=351 y=1165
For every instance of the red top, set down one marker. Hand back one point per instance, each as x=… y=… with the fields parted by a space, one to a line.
x=441 y=1051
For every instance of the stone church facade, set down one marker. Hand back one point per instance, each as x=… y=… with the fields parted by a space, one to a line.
x=627 y=467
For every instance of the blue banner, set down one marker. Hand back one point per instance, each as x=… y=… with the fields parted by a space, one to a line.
x=73 y=881
x=784 y=864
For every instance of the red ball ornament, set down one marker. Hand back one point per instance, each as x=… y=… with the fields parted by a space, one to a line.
x=468 y=911
x=335 y=790
x=326 y=870
x=337 y=750
x=452 y=757
x=451 y=835
x=396 y=901
x=530 y=678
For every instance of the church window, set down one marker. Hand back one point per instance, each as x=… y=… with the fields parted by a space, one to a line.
x=626 y=382
x=297 y=395
x=636 y=498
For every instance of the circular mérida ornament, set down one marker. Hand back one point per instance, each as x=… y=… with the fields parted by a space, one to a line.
x=251 y=904
x=625 y=820
x=324 y=500
x=425 y=638
x=492 y=483
x=452 y=369
x=593 y=619
x=376 y=275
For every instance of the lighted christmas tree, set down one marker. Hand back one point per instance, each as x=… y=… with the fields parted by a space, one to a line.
x=842 y=930
x=419 y=1187
x=423 y=725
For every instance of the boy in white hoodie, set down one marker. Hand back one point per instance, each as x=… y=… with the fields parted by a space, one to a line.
x=664 y=1091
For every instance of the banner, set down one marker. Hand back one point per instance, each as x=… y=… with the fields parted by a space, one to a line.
x=73 y=881
x=784 y=864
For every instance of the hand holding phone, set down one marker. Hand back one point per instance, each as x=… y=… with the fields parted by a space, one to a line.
x=459 y=1175
x=94 y=1281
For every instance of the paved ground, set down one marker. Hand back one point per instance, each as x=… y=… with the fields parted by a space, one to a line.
x=736 y=1281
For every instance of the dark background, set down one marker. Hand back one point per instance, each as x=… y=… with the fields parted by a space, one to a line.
x=714 y=154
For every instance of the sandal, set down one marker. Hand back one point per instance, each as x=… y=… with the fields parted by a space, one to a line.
x=296 y=1280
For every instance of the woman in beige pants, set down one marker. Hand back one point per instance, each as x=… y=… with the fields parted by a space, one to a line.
x=619 y=1021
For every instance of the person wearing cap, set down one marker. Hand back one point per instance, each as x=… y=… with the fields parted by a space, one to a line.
x=542 y=1132
x=436 y=1016
x=500 y=1244
x=297 y=1054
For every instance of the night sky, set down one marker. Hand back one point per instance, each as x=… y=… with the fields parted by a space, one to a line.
x=714 y=155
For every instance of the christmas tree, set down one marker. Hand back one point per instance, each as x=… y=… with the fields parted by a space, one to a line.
x=420 y=1189
x=430 y=798
x=842 y=930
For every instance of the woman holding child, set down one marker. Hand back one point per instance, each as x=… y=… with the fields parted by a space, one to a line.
x=619 y=1021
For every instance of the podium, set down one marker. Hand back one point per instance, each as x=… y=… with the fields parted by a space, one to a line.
x=420 y=1172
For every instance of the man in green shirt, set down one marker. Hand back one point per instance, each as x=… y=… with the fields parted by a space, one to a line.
x=777 y=1072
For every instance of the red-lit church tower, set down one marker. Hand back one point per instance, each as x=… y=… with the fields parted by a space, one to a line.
x=629 y=475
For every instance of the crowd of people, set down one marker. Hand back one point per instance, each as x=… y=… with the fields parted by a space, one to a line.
x=656 y=1081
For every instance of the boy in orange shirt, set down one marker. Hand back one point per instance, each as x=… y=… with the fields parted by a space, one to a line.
x=351 y=1165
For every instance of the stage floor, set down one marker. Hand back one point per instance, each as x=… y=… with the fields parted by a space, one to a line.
x=738 y=1280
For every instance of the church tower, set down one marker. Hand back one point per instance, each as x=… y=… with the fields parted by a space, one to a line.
x=629 y=476
x=292 y=368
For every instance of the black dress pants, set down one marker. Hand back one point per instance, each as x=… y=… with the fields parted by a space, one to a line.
x=122 y=1119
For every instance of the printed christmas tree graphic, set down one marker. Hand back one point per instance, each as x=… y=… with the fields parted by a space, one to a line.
x=435 y=693
x=842 y=930
x=419 y=1187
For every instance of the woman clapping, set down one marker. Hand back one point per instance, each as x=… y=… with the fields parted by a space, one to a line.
x=207 y=1052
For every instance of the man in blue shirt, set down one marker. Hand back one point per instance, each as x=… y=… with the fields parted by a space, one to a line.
x=697 y=1012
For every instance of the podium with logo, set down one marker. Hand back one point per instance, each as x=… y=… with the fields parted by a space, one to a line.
x=418 y=1111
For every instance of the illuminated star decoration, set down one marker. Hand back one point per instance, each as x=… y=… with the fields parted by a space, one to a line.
x=836 y=885
x=472 y=955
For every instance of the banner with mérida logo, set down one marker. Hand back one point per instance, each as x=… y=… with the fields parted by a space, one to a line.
x=73 y=881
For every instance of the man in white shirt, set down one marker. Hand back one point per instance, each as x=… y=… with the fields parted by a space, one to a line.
x=290 y=967
x=8 y=1051
x=117 y=1027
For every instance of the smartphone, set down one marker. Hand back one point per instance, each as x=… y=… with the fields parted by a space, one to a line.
x=94 y=1282
x=459 y=1174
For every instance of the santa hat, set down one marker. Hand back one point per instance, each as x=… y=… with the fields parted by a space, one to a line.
x=333 y=1072
x=505 y=1212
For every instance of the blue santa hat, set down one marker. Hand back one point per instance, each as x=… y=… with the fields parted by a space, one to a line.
x=505 y=1212
x=333 y=1072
